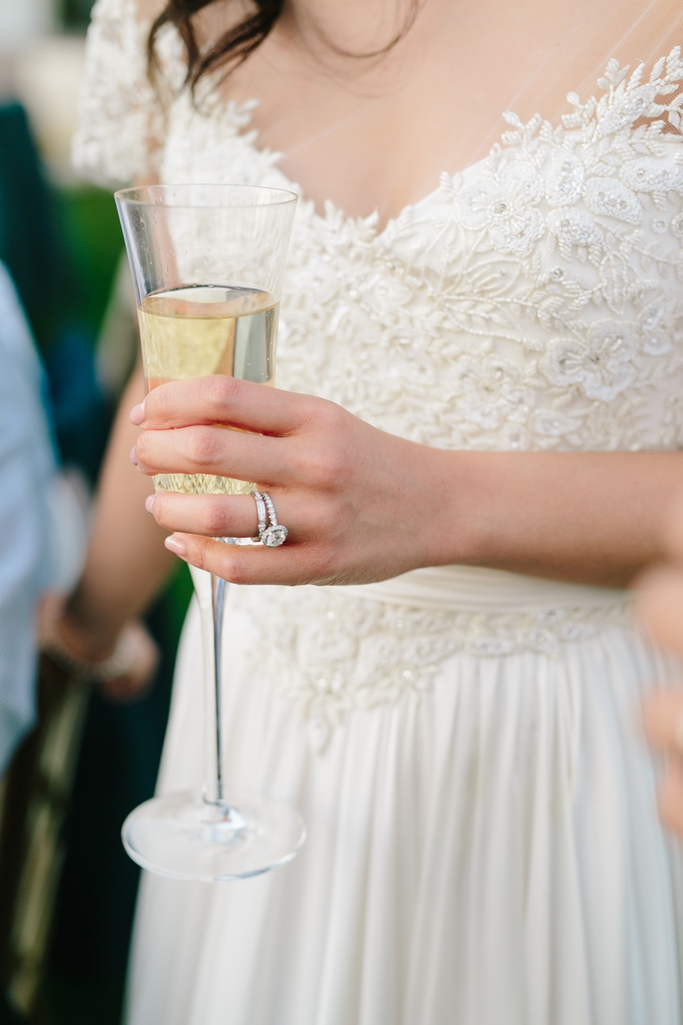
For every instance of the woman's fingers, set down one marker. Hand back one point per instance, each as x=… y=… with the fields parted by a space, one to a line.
x=663 y=720
x=213 y=450
x=290 y=564
x=673 y=530
x=221 y=399
x=212 y=515
x=659 y=606
x=671 y=794
x=217 y=516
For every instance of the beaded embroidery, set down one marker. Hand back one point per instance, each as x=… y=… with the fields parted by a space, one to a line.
x=532 y=301
x=331 y=653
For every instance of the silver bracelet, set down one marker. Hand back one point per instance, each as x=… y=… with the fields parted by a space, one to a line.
x=120 y=662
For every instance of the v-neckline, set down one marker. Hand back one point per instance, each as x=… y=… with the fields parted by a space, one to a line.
x=239 y=113
x=239 y=110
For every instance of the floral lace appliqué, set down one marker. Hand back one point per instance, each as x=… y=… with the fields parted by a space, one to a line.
x=534 y=302
x=331 y=653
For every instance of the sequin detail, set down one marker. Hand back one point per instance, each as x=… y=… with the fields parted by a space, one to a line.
x=331 y=653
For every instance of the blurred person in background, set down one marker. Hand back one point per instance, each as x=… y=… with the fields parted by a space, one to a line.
x=27 y=472
x=661 y=609
x=42 y=538
x=43 y=532
x=66 y=899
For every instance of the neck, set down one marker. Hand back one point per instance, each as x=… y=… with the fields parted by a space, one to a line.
x=350 y=27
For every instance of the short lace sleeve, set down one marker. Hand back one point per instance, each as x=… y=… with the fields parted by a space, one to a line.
x=121 y=117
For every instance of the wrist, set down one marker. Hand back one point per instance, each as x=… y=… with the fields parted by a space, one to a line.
x=454 y=530
x=83 y=641
x=91 y=658
x=88 y=636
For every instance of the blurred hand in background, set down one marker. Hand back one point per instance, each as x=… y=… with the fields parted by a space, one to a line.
x=123 y=670
x=661 y=610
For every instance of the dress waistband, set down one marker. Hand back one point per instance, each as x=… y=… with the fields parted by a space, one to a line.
x=475 y=589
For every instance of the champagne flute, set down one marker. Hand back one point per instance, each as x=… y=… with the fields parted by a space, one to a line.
x=207 y=264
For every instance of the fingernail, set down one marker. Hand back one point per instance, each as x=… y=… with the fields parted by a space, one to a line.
x=133 y=457
x=137 y=414
x=149 y=503
x=176 y=546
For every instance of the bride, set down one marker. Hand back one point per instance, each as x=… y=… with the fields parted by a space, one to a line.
x=482 y=351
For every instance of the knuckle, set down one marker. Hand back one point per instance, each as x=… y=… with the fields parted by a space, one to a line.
x=214 y=517
x=143 y=447
x=330 y=465
x=332 y=459
x=160 y=510
x=196 y=553
x=325 y=467
x=218 y=392
x=322 y=562
x=157 y=403
x=228 y=565
x=330 y=417
x=151 y=404
x=237 y=572
x=202 y=446
x=340 y=463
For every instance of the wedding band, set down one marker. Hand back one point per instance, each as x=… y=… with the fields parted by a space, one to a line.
x=275 y=534
x=261 y=513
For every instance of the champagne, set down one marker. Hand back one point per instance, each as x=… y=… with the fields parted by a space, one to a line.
x=207 y=329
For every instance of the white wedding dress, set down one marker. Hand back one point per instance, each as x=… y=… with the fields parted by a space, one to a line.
x=463 y=743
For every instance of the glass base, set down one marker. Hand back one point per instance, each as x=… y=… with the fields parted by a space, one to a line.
x=181 y=836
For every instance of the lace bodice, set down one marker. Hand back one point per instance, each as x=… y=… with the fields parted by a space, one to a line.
x=532 y=301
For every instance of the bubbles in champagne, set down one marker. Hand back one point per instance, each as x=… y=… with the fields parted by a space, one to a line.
x=199 y=330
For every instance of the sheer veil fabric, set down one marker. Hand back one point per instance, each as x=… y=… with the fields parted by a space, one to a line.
x=463 y=743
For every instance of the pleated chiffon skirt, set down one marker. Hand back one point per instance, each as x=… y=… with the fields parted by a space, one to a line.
x=484 y=850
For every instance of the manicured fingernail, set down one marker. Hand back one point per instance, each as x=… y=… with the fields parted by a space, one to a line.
x=137 y=414
x=149 y=503
x=175 y=545
x=133 y=457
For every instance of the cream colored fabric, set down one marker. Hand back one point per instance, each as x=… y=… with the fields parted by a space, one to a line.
x=483 y=850
x=483 y=839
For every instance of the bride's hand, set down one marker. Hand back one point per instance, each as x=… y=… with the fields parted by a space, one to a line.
x=359 y=504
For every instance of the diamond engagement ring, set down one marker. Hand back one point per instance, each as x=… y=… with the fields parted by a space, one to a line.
x=275 y=534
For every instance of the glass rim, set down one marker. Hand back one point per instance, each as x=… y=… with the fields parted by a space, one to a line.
x=129 y=197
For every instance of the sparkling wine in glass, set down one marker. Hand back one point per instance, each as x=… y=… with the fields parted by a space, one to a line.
x=207 y=264
x=208 y=329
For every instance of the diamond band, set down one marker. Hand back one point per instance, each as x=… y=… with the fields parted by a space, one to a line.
x=275 y=534
x=261 y=513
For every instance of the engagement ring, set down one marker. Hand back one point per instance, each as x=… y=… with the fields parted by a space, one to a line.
x=274 y=534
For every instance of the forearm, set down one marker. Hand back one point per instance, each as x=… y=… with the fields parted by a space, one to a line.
x=127 y=562
x=363 y=505
x=587 y=517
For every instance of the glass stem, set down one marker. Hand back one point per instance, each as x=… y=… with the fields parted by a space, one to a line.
x=211 y=594
x=219 y=589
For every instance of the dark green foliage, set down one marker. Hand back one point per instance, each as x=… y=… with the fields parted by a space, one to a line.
x=75 y=13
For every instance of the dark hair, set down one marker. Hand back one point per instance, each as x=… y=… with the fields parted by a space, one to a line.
x=235 y=45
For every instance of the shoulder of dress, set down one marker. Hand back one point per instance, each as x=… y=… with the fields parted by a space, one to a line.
x=120 y=125
x=630 y=112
